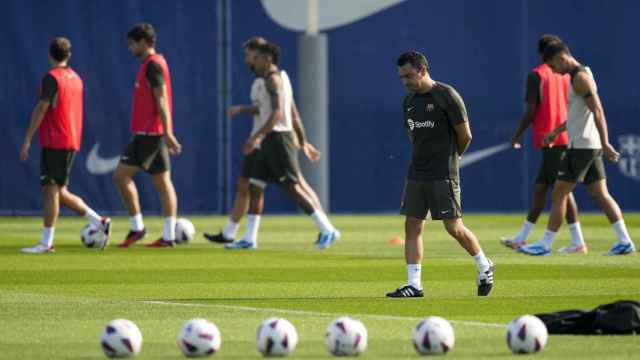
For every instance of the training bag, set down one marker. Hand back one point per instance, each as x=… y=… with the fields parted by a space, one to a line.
x=620 y=317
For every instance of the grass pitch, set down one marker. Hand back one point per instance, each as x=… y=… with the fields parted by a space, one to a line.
x=54 y=306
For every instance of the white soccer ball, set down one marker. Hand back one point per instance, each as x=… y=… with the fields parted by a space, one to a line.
x=121 y=339
x=199 y=338
x=433 y=336
x=184 y=231
x=276 y=337
x=526 y=334
x=93 y=238
x=346 y=337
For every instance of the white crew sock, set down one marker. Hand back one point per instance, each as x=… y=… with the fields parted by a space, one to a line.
x=169 y=229
x=482 y=263
x=547 y=238
x=230 y=230
x=621 y=231
x=523 y=234
x=93 y=217
x=576 y=234
x=47 y=236
x=414 y=275
x=136 y=222
x=322 y=221
x=251 y=232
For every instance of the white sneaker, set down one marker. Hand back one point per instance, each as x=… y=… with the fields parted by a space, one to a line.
x=38 y=249
x=574 y=249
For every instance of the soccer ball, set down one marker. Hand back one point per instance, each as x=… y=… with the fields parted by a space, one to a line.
x=526 y=334
x=276 y=337
x=346 y=337
x=199 y=338
x=120 y=339
x=93 y=238
x=433 y=336
x=184 y=231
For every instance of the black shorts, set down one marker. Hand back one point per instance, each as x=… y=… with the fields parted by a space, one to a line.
x=551 y=158
x=582 y=165
x=55 y=166
x=441 y=198
x=148 y=152
x=248 y=163
x=277 y=159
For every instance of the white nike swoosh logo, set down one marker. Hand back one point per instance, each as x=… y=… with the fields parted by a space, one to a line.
x=292 y=15
x=409 y=109
x=97 y=165
x=475 y=156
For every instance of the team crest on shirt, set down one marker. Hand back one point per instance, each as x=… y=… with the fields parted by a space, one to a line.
x=136 y=84
x=629 y=163
x=430 y=107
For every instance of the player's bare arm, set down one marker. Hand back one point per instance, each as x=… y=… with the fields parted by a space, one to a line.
x=584 y=86
x=273 y=84
x=160 y=95
x=240 y=109
x=525 y=122
x=463 y=136
x=309 y=150
x=548 y=139
x=36 y=119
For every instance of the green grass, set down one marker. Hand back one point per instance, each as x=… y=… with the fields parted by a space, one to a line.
x=54 y=306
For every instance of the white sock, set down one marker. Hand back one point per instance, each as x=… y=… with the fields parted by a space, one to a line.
x=47 y=236
x=230 y=230
x=576 y=234
x=547 y=238
x=251 y=232
x=482 y=263
x=414 y=275
x=136 y=222
x=523 y=234
x=169 y=229
x=621 y=231
x=93 y=217
x=322 y=221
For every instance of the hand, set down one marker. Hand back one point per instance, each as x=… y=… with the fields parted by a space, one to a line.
x=251 y=144
x=515 y=142
x=235 y=110
x=611 y=153
x=311 y=152
x=24 y=150
x=548 y=139
x=173 y=144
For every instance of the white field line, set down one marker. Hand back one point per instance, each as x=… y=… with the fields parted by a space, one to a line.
x=314 y=313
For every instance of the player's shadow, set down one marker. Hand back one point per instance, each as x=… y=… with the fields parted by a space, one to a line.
x=251 y=299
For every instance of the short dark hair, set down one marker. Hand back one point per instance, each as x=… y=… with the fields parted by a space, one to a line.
x=270 y=49
x=554 y=49
x=545 y=40
x=143 y=31
x=415 y=59
x=254 y=42
x=60 y=48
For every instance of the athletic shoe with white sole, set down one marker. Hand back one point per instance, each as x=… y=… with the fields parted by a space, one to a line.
x=241 y=244
x=512 y=243
x=535 y=249
x=621 y=249
x=574 y=249
x=38 y=249
x=485 y=280
x=407 y=291
x=327 y=239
